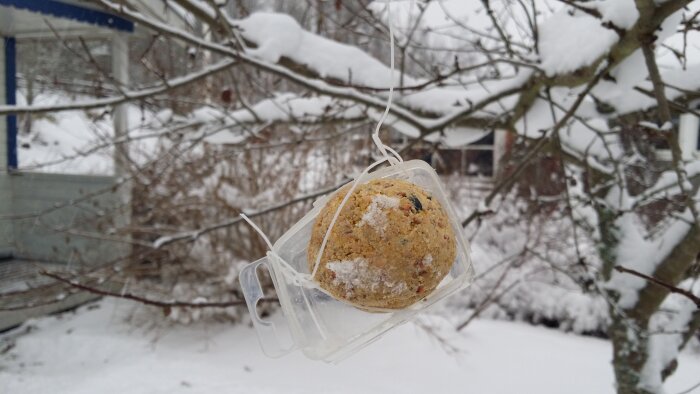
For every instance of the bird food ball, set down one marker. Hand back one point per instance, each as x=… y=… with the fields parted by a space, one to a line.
x=391 y=245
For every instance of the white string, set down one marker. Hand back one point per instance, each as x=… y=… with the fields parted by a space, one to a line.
x=256 y=228
x=306 y=280
x=296 y=277
x=384 y=149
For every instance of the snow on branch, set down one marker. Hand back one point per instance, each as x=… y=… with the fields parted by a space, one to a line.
x=285 y=107
x=449 y=103
x=564 y=47
x=279 y=45
x=639 y=97
x=636 y=250
x=280 y=35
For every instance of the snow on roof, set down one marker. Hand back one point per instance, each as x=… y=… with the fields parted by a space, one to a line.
x=28 y=18
x=36 y=18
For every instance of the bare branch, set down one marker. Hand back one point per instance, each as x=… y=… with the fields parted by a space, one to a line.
x=669 y=287
x=148 y=301
x=194 y=235
x=665 y=113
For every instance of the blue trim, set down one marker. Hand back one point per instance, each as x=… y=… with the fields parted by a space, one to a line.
x=11 y=99
x=70 y=11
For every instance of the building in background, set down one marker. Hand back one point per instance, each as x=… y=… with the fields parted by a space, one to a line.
x=46 y=220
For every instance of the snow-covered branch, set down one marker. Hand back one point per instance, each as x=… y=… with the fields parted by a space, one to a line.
x=283 y=48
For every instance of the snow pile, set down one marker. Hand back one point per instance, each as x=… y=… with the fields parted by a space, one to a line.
x=667 y=183
x=454 y=137
x=375 y=215
x=593 y=143
x=82 y=142
x=55 y=145
x=565 y=47
x=262 y=28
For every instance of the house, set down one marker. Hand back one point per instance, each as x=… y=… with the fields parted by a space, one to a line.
x=46 y=219
x=476 y=154
x=480 y=160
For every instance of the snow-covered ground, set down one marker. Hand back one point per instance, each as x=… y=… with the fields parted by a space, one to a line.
x=95 y=350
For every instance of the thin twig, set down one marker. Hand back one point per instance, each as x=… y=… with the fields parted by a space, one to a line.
x=193 y=235
x=671 y=288
x=148 y=301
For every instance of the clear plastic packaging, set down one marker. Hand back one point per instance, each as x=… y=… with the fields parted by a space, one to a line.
x=325 y=328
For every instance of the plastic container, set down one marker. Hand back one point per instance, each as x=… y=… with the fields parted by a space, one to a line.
x=325 y=328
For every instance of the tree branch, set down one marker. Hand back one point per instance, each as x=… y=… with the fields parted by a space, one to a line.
x=148 y=301
x=528 y=89
x=669 y=287
x=194 y=235
x=129 y=96
x=665 y=113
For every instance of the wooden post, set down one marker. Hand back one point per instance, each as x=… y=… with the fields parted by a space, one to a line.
x=120 y=73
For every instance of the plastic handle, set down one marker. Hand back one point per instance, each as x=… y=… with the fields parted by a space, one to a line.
x=268 y=332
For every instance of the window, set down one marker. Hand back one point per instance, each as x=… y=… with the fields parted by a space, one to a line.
x=475 y=159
